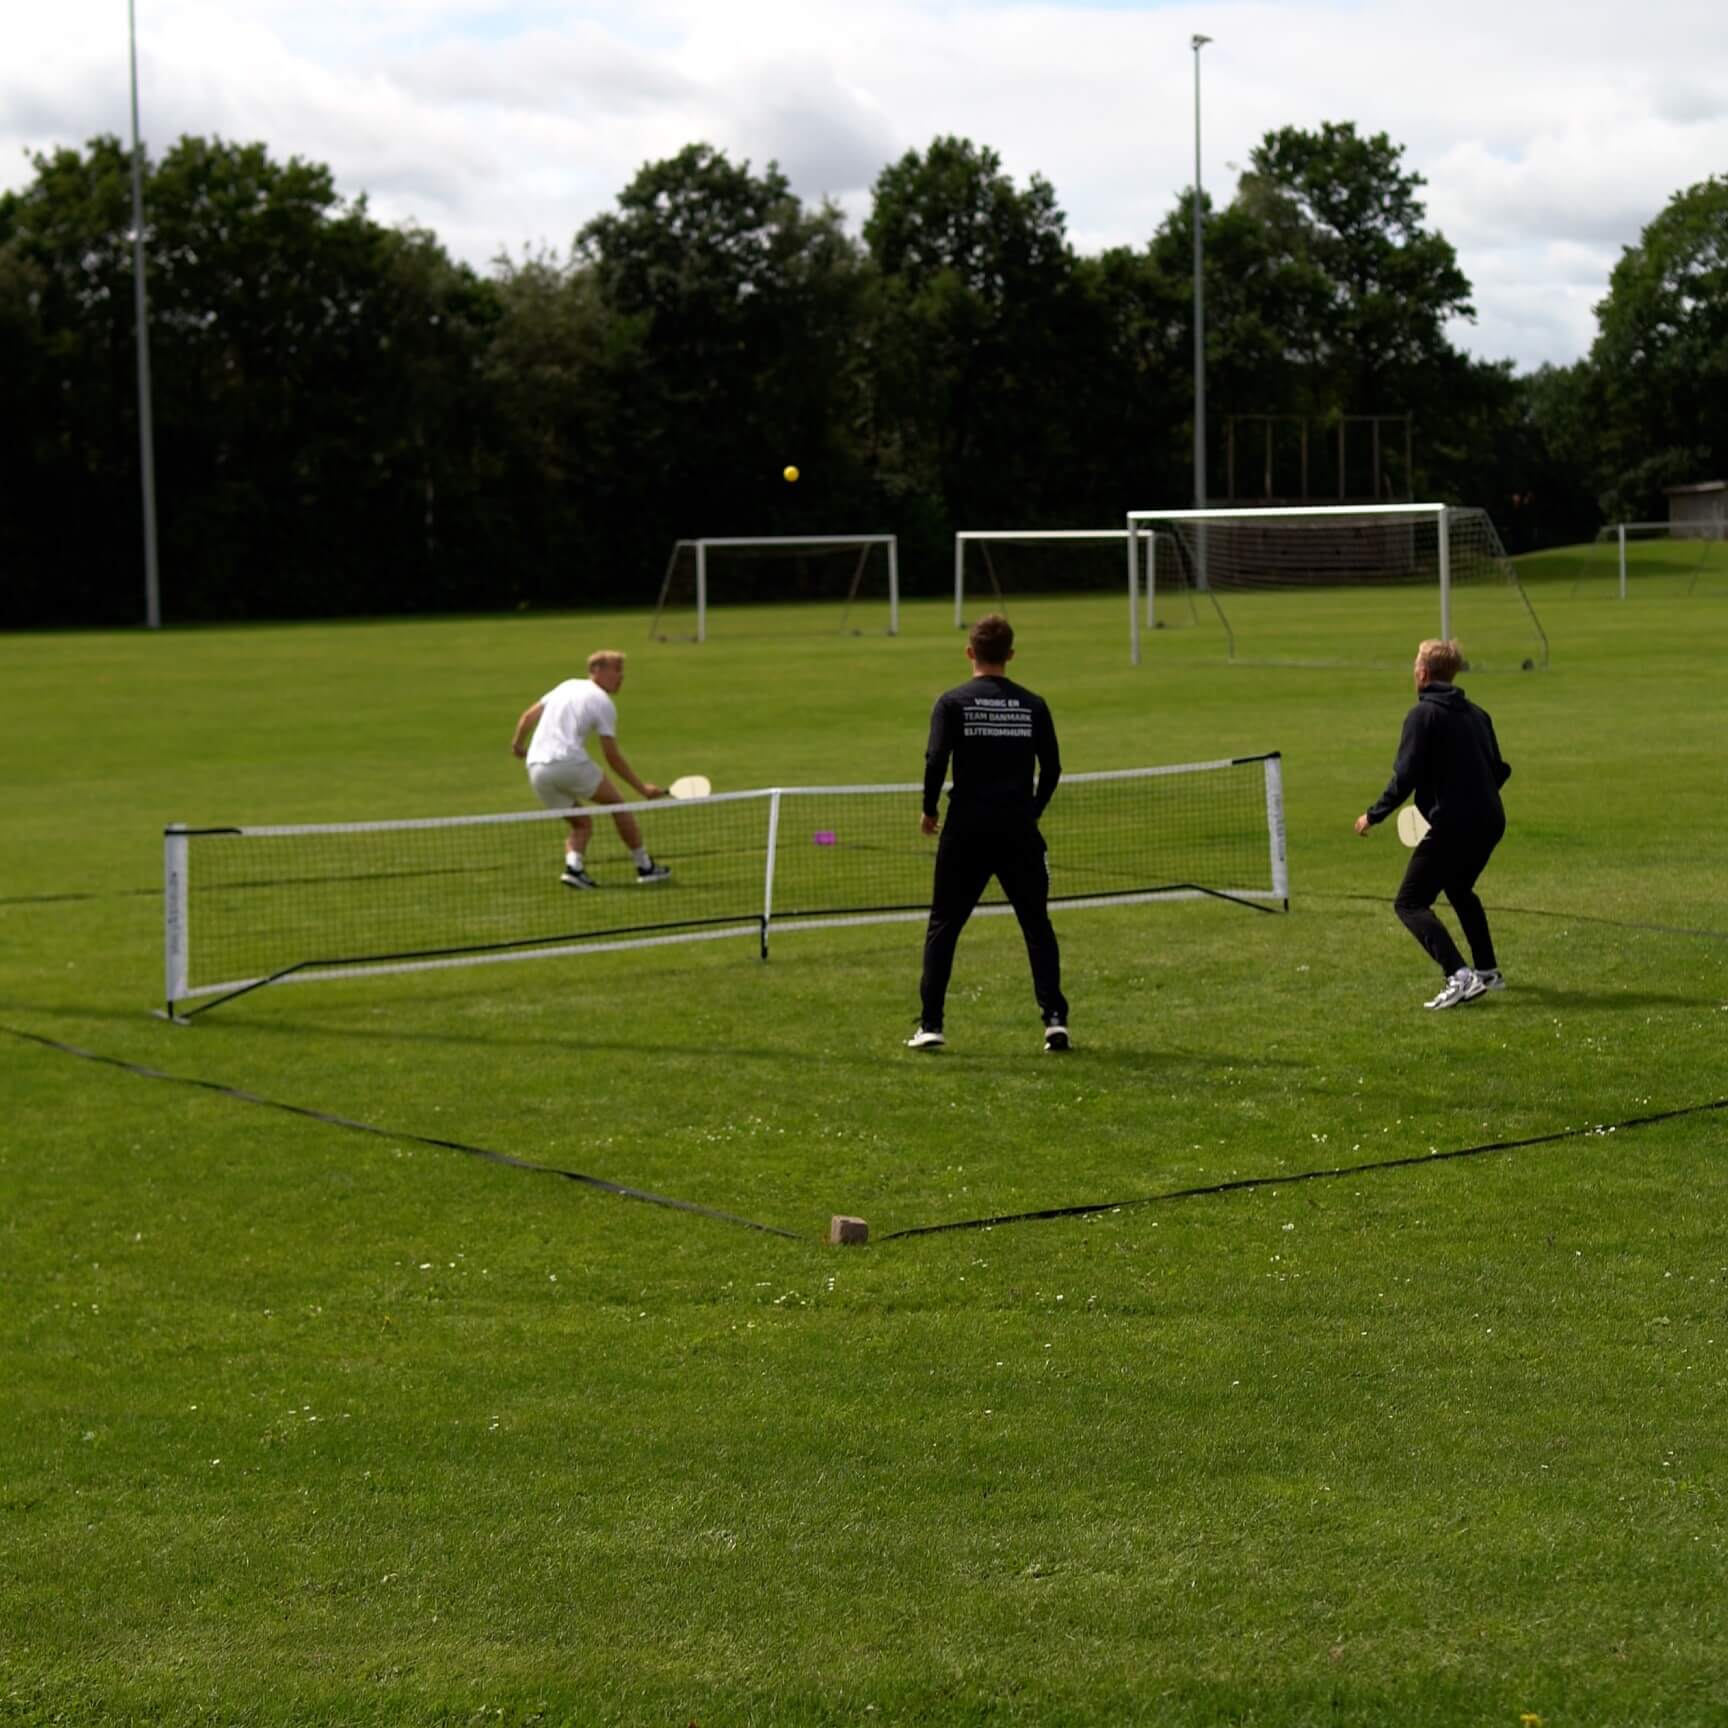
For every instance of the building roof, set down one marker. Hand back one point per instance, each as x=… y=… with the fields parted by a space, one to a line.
x=1699 y=486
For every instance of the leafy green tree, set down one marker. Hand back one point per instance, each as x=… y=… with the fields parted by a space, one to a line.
x=1368 y=288
x=741 y=307
x=315 y=411
x=980 y=333
x=1659 y=365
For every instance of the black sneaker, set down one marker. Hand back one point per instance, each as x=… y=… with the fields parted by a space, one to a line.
x=577 y=878
x=1056 y=1036
x=652 y=872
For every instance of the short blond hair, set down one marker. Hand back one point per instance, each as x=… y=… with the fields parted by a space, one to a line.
x=605 y=660
x=1444 y=660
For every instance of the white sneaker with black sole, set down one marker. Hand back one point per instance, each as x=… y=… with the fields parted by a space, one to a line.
x=577 y=878
x=1461 y=987
x=925 y=1039
x=1056 y=1037
x=652 y=872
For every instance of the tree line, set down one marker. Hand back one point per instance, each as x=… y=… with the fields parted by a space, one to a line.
x=349 y=421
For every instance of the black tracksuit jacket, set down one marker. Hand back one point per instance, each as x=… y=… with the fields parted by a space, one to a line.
x=1449 y=757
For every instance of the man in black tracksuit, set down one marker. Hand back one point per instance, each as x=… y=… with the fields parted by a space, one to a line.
x=1449 y=757
x=994 y=730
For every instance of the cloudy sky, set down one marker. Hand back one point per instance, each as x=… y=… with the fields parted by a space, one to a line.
x=1549 y=131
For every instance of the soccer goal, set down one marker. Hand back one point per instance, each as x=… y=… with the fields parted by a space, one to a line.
x=250 y=907
x=993 y=567
x=1670 y=557
x=1353 y=584
x=848 y=583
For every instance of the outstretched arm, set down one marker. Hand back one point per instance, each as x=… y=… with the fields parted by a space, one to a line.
x=525 y=729
x=625 y=772
x=1406 y=771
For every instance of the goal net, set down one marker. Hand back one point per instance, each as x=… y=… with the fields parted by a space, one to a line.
x=844 y=583
x=1352 y=584
x=994 y=567
x=1659 y=558
x=246 y=907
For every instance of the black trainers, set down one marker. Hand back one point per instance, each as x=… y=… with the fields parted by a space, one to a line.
x=577 y=878
x=652 y=872
x=1056 y=1036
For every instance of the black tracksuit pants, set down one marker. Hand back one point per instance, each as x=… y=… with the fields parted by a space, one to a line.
x=1449 y=864
x=966 y=859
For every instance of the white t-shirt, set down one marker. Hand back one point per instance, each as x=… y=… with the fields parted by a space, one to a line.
x=568 y=715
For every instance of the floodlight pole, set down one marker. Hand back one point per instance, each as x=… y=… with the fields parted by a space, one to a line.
x=1197 y=43
x=146 y=432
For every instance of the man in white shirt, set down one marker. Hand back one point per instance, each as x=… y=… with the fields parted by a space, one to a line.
x=563 y=774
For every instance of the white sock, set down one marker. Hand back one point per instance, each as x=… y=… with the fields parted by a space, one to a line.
x=572 y=860
x=640 y=854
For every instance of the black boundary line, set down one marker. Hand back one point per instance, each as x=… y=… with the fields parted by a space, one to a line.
x=1542 y=912
x=1237 y=1185
x=514 y=1163
x=1244 y=1182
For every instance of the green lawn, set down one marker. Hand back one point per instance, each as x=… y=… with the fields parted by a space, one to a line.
x=302 y=1425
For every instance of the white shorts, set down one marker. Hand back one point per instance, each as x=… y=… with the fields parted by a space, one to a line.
x=558 y=785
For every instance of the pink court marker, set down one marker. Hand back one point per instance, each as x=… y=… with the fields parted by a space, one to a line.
x=825 y=837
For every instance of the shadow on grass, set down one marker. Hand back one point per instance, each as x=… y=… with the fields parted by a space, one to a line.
x=1131 y=1060
x=1544 y=996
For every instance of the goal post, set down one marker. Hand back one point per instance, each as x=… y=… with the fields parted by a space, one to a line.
x=251 y=907
x=860 y=572
x=1683 y=550
x=1347 y=584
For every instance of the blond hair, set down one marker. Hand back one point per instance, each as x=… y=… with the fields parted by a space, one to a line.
x=605 y=660
x=1444 y=660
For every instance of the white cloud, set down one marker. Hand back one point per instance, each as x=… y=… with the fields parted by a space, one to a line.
x=1549 y=132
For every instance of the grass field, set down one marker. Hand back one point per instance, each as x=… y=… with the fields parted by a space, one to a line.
x=303 y=1425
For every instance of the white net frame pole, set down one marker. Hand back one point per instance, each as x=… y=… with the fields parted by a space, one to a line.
x=1275 y=828
x=1621 y=529
x=701 y=590
x=174 y=915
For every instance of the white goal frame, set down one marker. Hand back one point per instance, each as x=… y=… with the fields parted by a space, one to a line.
x=1288 y=512
x=1128 y=538
x=787 y=542
x=1704 y=530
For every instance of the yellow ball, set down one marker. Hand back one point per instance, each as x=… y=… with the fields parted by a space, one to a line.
x=791 y=474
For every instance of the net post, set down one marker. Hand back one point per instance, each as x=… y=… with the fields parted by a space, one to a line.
x=768 y=873
x=1621 y=530
x=1151 y=578
x=701 y=590
x=893 y=598
x=959 y=581
x=1275 y=828
x=174 y=933
x=1133 y=596
x=1444 y=545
